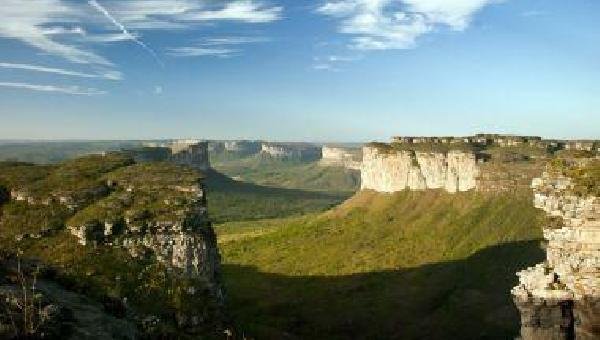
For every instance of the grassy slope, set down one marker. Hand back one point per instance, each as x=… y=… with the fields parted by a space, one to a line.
x=409 y=265
x=269 y=188
x=290 y=174
x=231 y=200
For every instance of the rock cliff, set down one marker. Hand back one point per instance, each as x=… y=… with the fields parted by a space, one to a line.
x=388 y=170
x=349 y=158
x=560 y=298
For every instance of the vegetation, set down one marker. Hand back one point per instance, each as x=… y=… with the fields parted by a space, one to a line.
x=158 y=191
x=411 y=265
x=248 y=188
x=48 y=152
x=290 y=174
x=230 y=200
x=586 y=176
x=422 y=147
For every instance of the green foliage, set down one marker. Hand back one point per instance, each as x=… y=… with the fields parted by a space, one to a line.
x=141 y=192
x=230 y=200
x=79 y=179
x=48 y=152
x=18 y=174
x=291 y=174
x=519 y=153
x=433 y=147
x=410 y=265
x=586 y=176
x=21 y=218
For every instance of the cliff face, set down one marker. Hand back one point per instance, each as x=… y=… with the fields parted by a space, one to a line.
x=395 y=170
x=347 y=157
x=560 y=298
x=291 y=152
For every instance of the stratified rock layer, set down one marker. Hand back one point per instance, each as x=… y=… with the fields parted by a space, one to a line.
x=387 y=170
x=559 y=299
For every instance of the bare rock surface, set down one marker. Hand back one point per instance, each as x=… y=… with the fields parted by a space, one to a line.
x=397 y=170
x=560 y=298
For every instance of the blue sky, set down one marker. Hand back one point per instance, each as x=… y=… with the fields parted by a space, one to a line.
x=325 y=70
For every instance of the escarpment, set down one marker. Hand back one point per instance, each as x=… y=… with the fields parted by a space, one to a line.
x=135 y=235
x=389 y=170
x=560 y=298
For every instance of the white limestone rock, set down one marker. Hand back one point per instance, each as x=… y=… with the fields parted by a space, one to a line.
x=394 y=170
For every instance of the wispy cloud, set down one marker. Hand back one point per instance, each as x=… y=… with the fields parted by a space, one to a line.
x=75 y=90
x=332 y=62
x=110 y=75
x=243 y=10
x=27 y=21
x=215 y=47
x=67 y=28
x=124 y=30
x=234 y=40
x=189 y=51
x=180 y=14
x=396 y=24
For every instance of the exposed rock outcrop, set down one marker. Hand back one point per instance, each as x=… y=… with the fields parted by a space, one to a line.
x=389 y=170
x=292 y=151
x=560 y=298
x=349 y=158
x=243 y=147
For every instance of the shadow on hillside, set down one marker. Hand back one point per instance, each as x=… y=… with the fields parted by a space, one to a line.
x=231 y=200
x=466 y=299
x=217 y=181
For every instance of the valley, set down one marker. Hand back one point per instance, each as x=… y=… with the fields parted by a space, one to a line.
x=270 y=247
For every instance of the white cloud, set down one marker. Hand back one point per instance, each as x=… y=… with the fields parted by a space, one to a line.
x=396 y=24
x=332 y=62
x=66 y=29
x=124 y=30
x=180 y=14
x=190 y=51
x=76 y=90
x=27 y=21
x=110 y=75
x=109 y=37
x=48 y=25
x=216 y=47
x=61 y=30
x=233 y=40
x=243 y=10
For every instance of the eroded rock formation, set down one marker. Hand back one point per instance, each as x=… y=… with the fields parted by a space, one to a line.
x=349 y=158
x=389 y=170
x=292 y=151
x=560 y=298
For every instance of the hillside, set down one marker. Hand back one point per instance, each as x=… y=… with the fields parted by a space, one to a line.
x=288 y=174
x=410 y=265
x=134 y=239
x=231 y=200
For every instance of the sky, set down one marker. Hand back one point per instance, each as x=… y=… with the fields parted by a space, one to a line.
x=298 y=70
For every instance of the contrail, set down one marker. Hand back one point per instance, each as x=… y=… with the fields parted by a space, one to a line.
x=124 y=30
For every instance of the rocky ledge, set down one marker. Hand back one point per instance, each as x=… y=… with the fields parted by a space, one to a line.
x=560 y=298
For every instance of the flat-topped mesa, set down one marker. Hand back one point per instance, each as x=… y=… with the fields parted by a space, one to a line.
x=243 y=147
x=560 y=298
x=349 y=158
x=291 y=151
x=190 y=152
x=504 y=141
x=386 y=169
